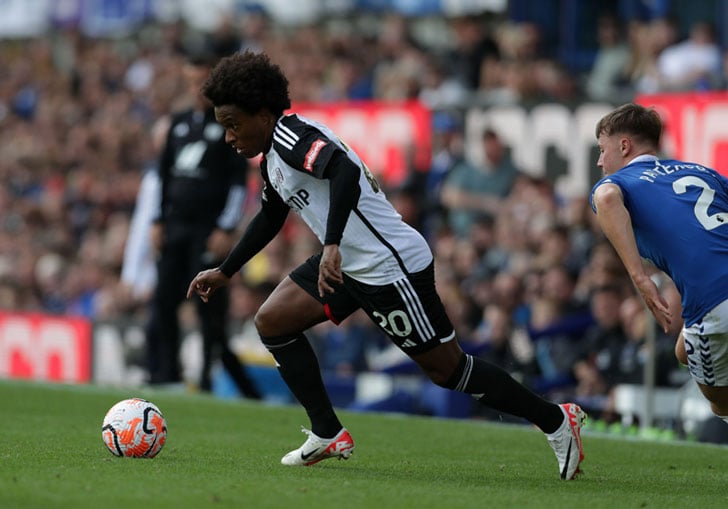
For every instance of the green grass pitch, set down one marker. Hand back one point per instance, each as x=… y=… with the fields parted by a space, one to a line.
x=222 y=453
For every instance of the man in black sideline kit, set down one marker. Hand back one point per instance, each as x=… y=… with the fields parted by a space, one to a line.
x=202 y=195
x=370 y=259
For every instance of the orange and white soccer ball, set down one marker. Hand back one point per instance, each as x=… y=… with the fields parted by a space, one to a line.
x=134 y=428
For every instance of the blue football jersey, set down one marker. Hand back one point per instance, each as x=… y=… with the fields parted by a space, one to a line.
x=679 y=213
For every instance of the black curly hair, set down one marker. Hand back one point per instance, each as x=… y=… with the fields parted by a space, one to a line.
x=249 y=81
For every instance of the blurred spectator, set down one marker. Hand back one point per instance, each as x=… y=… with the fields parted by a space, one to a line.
x=606 y=80
x=580 y=222
x=648 y=40
x=138 y=272
x=201 y=197
x=438 y=89
x=495 y=337
x=603 y=349
x=255 y=26
x=522 y=74
x=226 y=39
x=641 y=69
x=554 y=248
x=693 y=64
x=556 y=328
x=472 y=189
x=555 y=82
x=447 y=152
x=520 y=41
x=517 y=84
x=615 y=350
x=603 y=267
x=402 y=62
x=474 y=49
x=508 y=294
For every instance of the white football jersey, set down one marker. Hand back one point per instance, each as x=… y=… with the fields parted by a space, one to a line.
x=377 y=247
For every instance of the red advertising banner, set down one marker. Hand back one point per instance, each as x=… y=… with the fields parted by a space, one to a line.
x=42 y=347
x=696 y=126
x=390 y=137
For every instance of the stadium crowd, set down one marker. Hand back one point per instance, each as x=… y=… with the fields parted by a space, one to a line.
x=524 y=273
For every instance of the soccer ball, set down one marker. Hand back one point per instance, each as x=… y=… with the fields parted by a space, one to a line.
x=134 y=428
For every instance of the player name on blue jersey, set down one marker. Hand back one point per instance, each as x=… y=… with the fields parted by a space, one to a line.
x=663 y=168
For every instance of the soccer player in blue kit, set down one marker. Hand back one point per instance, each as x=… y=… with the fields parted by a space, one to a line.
x=675 y=214
x=370 y=259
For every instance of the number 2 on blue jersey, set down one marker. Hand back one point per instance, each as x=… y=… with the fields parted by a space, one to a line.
x=703 y=202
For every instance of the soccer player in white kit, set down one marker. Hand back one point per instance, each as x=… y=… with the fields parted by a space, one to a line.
x=371 y=259
x=675 y=214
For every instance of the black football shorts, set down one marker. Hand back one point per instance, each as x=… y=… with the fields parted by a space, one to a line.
x=409 y=310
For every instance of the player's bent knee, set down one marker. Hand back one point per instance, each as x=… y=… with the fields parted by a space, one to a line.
x=267 y=322
x=260 y=324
